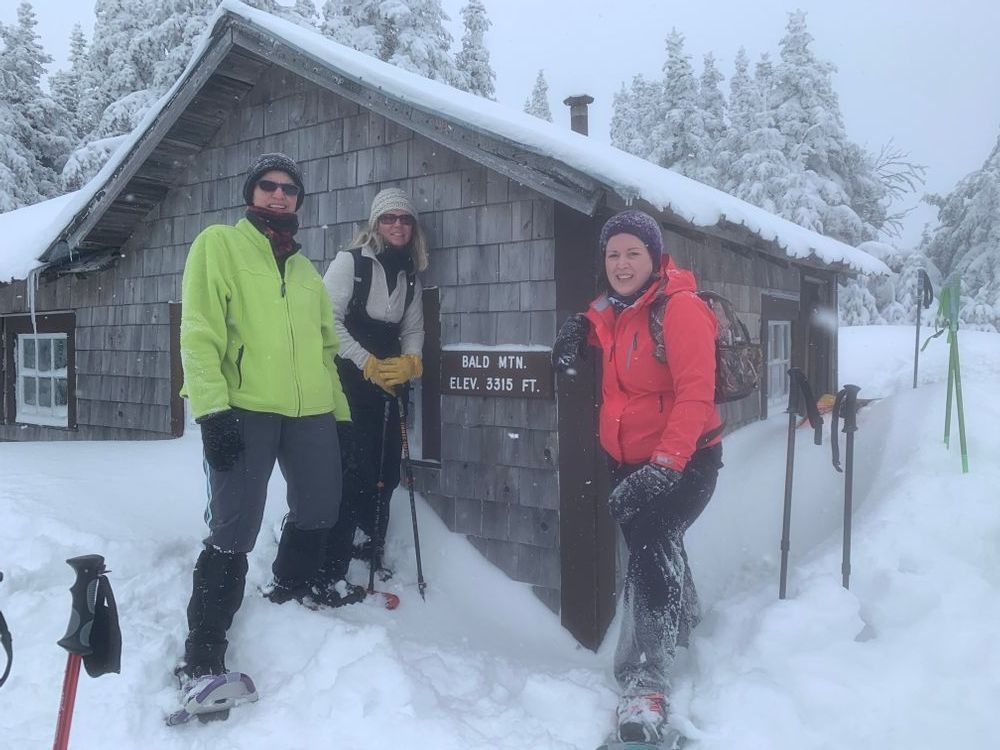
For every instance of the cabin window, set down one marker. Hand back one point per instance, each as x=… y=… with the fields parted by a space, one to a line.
x=42 y=379
x=38 y=373
x=777 y=338
x=779 y=360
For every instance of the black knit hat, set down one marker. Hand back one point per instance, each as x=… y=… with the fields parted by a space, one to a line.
x=264 y=164
x=638 y=224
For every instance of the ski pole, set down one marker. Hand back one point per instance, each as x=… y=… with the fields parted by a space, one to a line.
x=8 y=645
x=77 y=640
x=925 y=293
x=377 y=537
x=798 y=388
x=847 y=400
x=408 y=469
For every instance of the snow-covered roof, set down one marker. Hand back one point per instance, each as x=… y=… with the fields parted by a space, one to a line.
x=626 y=175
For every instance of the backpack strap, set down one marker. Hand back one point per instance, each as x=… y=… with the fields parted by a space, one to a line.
x=106 y=634
x=657 y=310
x=362 y=283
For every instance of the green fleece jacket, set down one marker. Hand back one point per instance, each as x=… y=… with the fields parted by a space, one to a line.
x=252 y=339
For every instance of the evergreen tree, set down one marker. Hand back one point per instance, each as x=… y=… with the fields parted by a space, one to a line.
x=538 y=103
x=475 y=74
x=836 y=191
x=67 y=85
x=967 y=241
x=635 y=115
x=117 y=66
x=171 y=37
x=36 y=128
x=679 y=140
x=357 y=24
x=407 y=33
x=421 y=43
x=304 y=13
x=711 y=99
x=752 y=160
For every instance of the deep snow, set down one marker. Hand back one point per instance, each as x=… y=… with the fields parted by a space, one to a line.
x=906 y=659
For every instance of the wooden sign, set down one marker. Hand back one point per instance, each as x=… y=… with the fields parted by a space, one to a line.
x=496 y=372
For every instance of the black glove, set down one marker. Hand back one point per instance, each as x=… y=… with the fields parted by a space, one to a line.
x=640 y=490
x=222 y=439
x=570 y=342
x=345 y=436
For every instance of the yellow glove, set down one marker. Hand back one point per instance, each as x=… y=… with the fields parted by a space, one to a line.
x=372 y=373
x=398 y=370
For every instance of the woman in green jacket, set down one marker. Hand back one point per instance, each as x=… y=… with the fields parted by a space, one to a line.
x=257 y=344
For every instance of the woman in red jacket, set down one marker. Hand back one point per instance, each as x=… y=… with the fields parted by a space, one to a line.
x=661 y=430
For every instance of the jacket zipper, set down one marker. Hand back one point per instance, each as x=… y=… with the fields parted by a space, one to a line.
x=239 y=365
x=631 y=351
x=291 y=335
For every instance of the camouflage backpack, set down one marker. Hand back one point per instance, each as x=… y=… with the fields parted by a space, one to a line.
x=737 y=358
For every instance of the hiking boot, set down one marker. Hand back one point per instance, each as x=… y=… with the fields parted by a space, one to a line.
x=641 y=718
x=315 y=596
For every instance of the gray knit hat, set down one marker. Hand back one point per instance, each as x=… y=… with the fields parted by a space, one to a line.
x=639 y=224
x=390 y=199
x=264 y=164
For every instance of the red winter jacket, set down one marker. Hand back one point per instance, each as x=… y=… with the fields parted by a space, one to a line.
x=654 y=411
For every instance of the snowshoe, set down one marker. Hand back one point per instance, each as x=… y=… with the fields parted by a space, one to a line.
x=321 y=596
x=212 y=696
x=642 y=724
x=670 y=739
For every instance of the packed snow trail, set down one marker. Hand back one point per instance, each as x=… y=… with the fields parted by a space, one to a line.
x=905 y=659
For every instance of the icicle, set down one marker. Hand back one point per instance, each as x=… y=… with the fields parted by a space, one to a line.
x=32 y=290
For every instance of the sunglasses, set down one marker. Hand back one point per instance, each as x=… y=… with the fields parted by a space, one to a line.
x=387 y=220
x=269 y=186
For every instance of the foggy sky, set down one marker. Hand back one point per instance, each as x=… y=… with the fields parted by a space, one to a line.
x=924 y=74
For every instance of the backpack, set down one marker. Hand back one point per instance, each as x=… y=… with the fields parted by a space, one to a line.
x=737 y=358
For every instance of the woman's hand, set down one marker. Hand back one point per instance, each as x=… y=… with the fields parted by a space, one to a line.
x=567 y=349
x=373 y=374
x=398 y=370
x=222 y=439
x=640 y=490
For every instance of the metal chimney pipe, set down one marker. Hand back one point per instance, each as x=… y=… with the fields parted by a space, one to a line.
x=578 y=112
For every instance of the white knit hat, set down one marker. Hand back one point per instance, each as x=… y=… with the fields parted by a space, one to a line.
x=390 y=199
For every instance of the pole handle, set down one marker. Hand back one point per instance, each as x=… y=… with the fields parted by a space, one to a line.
x=851 y=408
x=800 y=387
x=84 y=604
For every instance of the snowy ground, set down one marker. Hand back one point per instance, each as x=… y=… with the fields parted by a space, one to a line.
x=906 y=659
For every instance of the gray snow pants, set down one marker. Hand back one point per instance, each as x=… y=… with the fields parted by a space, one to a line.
x=660 y=603
x=308 y=454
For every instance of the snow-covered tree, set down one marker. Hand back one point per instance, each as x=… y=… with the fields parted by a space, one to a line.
x=475 y=73
x=357 y=24
x=36 y=127
x=679 y=140
x=966 y=241
x=173 y=32
x=849 y=201
x=422 y=44
x=635 y=114
x=712 y=105
x=118 y=62
x=67 y=85
x=304 y=12
x=410 y=34
x=538 y=103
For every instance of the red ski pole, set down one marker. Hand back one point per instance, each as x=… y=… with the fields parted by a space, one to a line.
x=77 y=640
x=68 y=699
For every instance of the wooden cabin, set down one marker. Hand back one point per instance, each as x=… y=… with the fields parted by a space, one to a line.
x=505 y=454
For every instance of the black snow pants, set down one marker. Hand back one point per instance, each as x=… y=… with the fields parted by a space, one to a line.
x=372 y=456
x=660 y=603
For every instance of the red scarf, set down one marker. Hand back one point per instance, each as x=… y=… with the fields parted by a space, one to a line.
x=279 y=228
